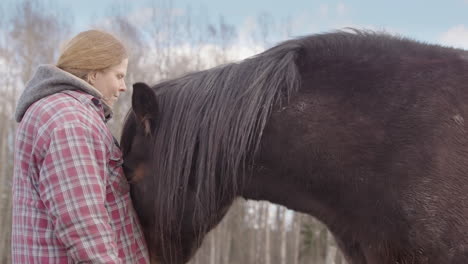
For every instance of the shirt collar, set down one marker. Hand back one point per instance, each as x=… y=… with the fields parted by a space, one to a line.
x=102 y=108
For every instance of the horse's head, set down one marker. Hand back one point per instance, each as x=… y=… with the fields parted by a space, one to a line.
x=172 y=215
x=138 y=132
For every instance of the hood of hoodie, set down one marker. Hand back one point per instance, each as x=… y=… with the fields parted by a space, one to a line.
x=49 y=79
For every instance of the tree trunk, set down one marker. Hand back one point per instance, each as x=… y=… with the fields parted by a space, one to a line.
x=283 y=231
x=266 y=229
x=227 y=238
x=331 y=250
x=213 y=249
x=296 y=238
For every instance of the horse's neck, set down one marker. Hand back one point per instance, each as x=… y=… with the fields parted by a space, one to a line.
x=267 y=185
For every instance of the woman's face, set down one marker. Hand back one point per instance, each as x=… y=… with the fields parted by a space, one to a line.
x=110 y=82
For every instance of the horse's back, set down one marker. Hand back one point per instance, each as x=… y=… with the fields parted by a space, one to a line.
x=378 y=136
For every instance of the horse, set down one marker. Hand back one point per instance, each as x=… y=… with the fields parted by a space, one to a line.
x=363 y=130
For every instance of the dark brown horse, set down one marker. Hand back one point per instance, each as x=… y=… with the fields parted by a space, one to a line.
x=362 y=130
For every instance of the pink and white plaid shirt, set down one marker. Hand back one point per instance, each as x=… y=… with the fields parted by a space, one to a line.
x=71 y=201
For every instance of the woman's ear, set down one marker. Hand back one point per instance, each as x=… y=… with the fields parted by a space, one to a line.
x=145 y=106
x=91 y=77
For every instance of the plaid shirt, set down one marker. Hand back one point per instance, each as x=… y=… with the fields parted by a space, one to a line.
x=71 y=201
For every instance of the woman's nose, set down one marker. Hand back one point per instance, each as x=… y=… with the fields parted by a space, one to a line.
x=123 y=87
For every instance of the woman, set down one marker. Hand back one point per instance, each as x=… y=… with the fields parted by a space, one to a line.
x=71 y=201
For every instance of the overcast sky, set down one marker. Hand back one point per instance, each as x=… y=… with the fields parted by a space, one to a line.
x=439 y=21
x=436 y=21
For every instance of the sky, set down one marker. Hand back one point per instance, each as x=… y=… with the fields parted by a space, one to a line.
x=436 y=21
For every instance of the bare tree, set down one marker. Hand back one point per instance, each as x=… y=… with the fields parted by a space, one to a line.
x=267 y=232
x=30 y=35
x=282 y=225
x=132 y=38
x=212 y=239
x=296 y=238
x=221 y=34
x=265 y=23
x=35 y=32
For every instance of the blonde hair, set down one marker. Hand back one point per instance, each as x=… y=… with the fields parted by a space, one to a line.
x=91 y=50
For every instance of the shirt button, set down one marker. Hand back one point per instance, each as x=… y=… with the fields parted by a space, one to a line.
x=96 y=101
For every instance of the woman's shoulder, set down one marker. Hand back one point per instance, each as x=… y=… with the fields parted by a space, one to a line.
x=63 y=111
x=62 y=108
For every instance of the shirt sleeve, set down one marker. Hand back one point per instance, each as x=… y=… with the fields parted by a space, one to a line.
x=72 y=186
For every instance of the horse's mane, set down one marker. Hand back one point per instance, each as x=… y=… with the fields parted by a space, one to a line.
x=210 y=124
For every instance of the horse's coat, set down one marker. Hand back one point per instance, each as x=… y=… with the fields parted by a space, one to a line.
x=364 y=131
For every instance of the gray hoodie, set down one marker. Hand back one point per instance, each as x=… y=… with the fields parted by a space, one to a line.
x=49 y=79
